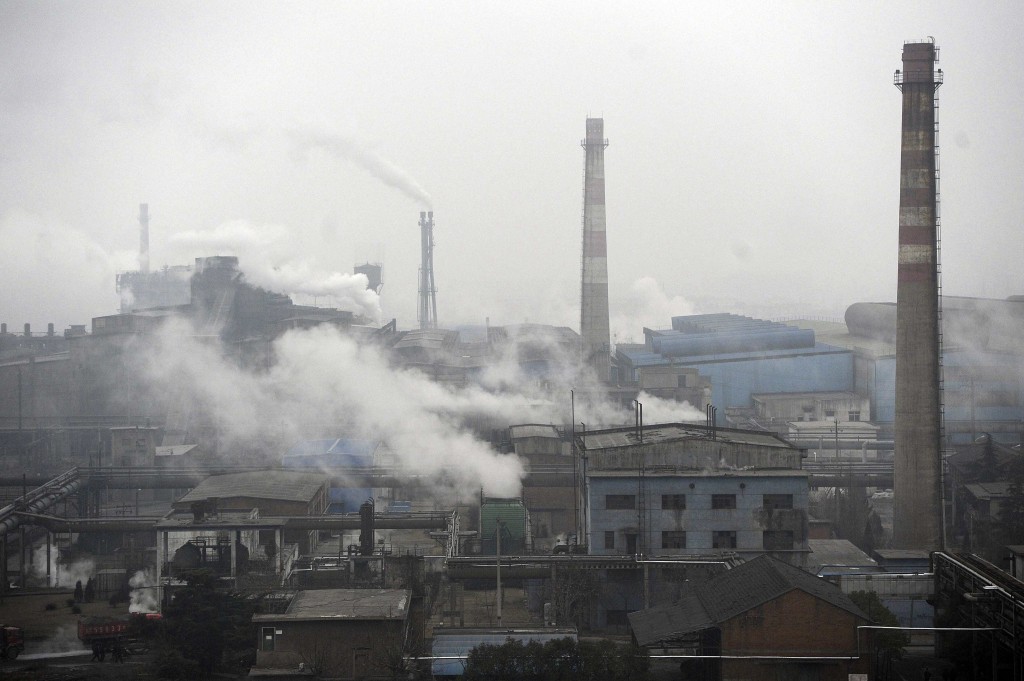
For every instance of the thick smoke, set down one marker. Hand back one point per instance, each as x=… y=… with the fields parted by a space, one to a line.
x=268 y=259
x=661 y=410
x=62 y=574
x=143 y=593
x=324 y=384
x=348 y=148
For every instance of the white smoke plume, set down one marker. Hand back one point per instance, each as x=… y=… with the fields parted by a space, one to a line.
x=348 y=148
x=61 y=574
x=646 y=305
x=661 y=410
x=324 y=383
x=143 y=593
x=267 y=257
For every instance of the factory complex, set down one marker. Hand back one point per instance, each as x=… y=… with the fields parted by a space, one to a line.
x=404 y=495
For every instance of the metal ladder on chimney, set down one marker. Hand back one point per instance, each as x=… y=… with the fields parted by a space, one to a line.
x=938 y=310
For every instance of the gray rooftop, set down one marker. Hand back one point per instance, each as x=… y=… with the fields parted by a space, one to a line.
x=732 y=593
x=677 y=432
x=269 y=484
x=344 y=604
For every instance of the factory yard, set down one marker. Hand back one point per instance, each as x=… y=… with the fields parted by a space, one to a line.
x=52 y=649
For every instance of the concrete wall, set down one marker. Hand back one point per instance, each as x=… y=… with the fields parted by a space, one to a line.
x=749 y=520
x=349 y=650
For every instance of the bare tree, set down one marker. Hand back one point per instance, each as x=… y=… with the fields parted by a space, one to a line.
x=318 y=654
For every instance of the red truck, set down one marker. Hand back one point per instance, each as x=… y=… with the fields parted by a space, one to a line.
x=111 y=634
x=12 y=642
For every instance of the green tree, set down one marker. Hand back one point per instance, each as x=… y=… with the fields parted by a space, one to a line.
x=558 y=660
x=208 y=626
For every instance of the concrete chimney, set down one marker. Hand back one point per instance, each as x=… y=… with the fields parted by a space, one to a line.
x=28 y=330
x=917 y=511
x=595 y=330
x=144 y=238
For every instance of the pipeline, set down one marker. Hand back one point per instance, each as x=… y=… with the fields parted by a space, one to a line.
x=39 y=499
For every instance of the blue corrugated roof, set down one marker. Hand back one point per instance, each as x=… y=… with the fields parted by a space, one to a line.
x=648 y=358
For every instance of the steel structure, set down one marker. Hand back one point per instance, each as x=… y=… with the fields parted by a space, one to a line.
x=427 y=314
x=595 y=330
x=917 y=521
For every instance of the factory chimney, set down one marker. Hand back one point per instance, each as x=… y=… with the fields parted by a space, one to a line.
x=595 y=334
x=427 y=313
x=917 y=513
x=144 y=238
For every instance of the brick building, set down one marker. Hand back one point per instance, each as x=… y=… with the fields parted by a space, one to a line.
x=762 y=620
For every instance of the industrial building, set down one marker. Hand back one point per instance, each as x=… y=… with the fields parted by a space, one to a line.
x=676 y=489
x=740 y=357
x=764 y=619
x=336 y=633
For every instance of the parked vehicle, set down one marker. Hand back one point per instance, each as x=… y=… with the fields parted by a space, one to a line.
x=12 y=642
x=112 y=634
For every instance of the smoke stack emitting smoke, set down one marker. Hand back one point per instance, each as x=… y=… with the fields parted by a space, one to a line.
x=347 y=148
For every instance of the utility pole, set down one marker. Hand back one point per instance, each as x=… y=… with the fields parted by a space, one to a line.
x=497 y=531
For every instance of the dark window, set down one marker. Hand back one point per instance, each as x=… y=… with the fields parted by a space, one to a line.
x=673 y=501
x=723 y=501
x=853 y=416
x=267 y=639
x=673 y=539
x=609 y=540
x=778 y=540
x=630 y=544
x=774 y=501
x=619 y=502
x=723 y=540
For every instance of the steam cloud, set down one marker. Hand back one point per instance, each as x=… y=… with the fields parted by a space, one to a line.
x=349 y=149
x=325 y=384
x=267 y=259
x=143 y=596
x=648 y=306
x=61 y=574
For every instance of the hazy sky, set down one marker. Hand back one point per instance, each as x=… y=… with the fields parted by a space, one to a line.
x=753 y=163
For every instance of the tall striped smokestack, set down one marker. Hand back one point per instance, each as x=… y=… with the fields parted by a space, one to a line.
x=917 y=519
x=144 y=238
x=594 y=327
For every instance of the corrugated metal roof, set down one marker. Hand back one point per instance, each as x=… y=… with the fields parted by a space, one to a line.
x=455 y=644
x=344 y=604
x=670 y=432
x=271 y=484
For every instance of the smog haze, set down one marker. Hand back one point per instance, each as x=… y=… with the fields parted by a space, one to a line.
x=753 y=164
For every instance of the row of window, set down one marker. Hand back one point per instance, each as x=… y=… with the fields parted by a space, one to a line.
x=677 y=502
x=772 y=540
